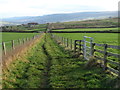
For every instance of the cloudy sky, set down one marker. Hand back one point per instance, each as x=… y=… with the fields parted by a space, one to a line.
x=15 y=8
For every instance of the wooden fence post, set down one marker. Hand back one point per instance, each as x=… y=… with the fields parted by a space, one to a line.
x=105 y=56
x=33 y=37
x=119 y=67
x=67 y=42
x=71 y=44
x=62 y=40
x=19 y=41
x=13 y=46
x=26 y=39
x=4 y=48
x=75 y=46
x=92 y=49
x=29 y=39
x=80 y=46
x=23 y=41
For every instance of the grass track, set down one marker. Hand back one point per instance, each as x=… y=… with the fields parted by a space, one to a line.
x=49 y=65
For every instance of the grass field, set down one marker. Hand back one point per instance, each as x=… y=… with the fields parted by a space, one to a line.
x=15 y=36
x=8 y=37
x=41 y=29
x=88 y=29
x=101 y=38
x=47 y=65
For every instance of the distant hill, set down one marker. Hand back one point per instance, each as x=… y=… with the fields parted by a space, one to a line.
x=2 y=23
x=62 y=17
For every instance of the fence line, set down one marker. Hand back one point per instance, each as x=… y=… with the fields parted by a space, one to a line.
x=11 y=45
x=79 y=47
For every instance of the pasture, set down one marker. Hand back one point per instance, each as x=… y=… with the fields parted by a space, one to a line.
x=89 y=29
x=51 y=63
x=15 y=36
x=101 y=38
x=47 y=65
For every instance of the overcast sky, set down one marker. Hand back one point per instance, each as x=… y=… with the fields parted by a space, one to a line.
x=15 y=8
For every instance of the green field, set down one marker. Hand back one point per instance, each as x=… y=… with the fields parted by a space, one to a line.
x=15 y=36
x=47 y=65
x=40 y=29
x=88 y=29
x=101 y=38
x=8 y=37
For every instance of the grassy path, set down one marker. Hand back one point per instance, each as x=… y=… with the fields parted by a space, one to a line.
x=47 y=65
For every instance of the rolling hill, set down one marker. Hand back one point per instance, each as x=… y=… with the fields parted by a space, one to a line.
x=61 y=17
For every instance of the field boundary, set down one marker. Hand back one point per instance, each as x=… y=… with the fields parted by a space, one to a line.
x=84 y=32
x=23 y=45
x=78 y=47
x=15 y=43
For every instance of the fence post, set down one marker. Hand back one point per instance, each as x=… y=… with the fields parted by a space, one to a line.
x=62 y=41
x=80 y=46
x=67 y=42
x=26 y=39
x=4 y=48
x=33 y=37
x=119 y=66
x=13 y=47
x=19 y=41
x=75 y=46
x=92 y=49
x=105 y=56
x=23 y=41
x=71 y=44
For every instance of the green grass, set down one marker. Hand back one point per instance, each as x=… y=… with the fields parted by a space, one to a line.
x=41 y=29
x=8 y=37
x=26 y=72
x=101 y=38
x=88 y=29
x=15 y=36
x=65 y=70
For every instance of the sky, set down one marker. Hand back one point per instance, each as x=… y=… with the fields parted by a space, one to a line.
x=17 y=8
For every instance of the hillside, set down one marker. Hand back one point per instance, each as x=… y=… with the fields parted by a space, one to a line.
x=108 y=22
x=62 y=17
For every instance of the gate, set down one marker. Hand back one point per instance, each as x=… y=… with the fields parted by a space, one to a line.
x=87 y=47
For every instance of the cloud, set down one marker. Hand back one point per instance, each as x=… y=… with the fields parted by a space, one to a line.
x=11 y=8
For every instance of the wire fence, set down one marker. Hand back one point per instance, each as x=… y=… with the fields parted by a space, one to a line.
x=13 y=44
